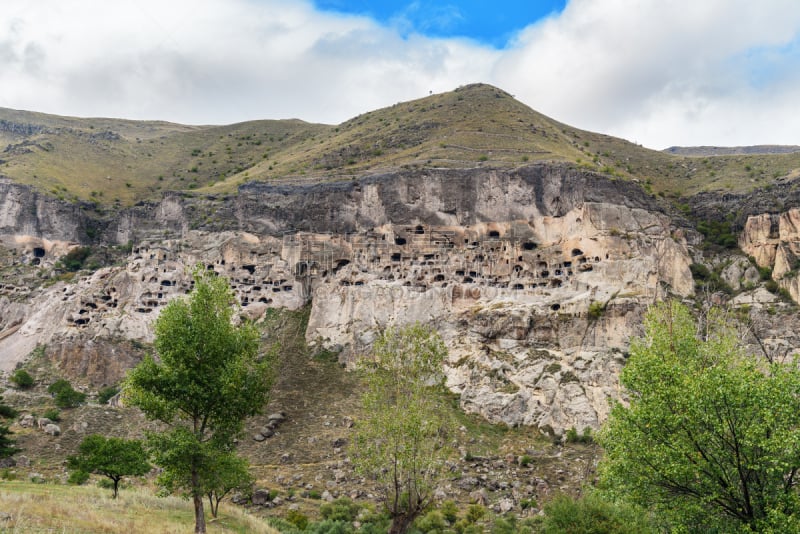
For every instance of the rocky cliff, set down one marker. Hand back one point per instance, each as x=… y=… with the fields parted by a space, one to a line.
x=536 y=277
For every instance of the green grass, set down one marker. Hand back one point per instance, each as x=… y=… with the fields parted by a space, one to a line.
x=80 y=509
x=473 y=126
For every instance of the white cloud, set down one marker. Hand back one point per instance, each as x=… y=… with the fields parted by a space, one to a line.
x=659 y=73
x=662 y=73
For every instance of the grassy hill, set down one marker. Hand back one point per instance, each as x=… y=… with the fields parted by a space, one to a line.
x=113 y=161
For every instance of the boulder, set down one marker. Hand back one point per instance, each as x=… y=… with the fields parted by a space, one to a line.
x=260 y=497
x=52 y=429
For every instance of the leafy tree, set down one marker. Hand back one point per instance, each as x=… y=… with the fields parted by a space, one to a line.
x=711 y=438
x=206 y=382
x=227 y=472
x=401 y=441
x=65 y=395
x=111 y=457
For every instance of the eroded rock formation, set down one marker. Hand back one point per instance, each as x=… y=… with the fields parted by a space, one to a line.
x=535 y=277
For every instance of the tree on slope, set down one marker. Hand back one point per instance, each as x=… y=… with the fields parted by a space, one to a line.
x=111 y=457
x=401 y=441
x=207 y=380
x=711 y=438
x=229 y=472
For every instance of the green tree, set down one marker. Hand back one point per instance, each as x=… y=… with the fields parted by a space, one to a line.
x=401 y=440
x=711 y=438
x=110 y=457
x=22 y=379
x=227 y=472
x=64 y=395
x=207 y=380
x=7 y=445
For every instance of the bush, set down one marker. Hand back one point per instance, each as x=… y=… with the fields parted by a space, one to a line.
x=592 y=514
x=330 y=527
x=525 y=460
x=596 y=310
x=572 y=436
x=52 y=414
x=512 y=525
x=474 y=513
x=74 y=259
x=297 y=519
x=65 y=396
x=433 y=521
x=105 y=394
x=342 y=509
x=78 y=478
x=22 y=379
x=449 y=510
x=7 y=411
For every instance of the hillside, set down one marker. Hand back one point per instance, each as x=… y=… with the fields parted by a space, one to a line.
x=532 y=247
x=118 y=162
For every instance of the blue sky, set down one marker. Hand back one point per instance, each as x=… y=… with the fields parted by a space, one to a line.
x=492 y=23
x=655 y=72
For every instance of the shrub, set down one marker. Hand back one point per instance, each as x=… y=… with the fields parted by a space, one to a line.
x=105 y=394
x=74 y=259
x=7 y=411
x=474 y=513
x=52 y=414
x=591 y=514
x=449 y=510
x=342 y=509
x=65 y=396
x=572 y=436
x=433 y=521
x=22 y=379
x=512 y=525
x=78 y=478
x=297 y=519
x=525 y=460
x=596 y=310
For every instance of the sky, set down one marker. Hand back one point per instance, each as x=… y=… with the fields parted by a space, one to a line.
x=658 y=73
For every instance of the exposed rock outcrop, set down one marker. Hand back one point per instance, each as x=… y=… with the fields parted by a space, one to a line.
x=536 y=277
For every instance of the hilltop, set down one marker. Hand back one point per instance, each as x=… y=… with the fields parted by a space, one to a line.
x=120 y=162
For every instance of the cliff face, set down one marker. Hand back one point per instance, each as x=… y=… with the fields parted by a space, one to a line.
x=535 y=277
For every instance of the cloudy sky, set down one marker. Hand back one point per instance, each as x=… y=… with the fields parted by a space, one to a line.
x=659 y=73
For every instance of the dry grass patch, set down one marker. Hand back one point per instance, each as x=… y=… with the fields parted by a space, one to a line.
x=73 y=509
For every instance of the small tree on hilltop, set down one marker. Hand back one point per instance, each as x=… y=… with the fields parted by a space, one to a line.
x=110 y=457
x=711 y=438
x=401 y=441
x=206 y=382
